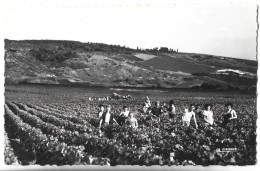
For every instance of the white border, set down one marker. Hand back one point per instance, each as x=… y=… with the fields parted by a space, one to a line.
x=16 y=4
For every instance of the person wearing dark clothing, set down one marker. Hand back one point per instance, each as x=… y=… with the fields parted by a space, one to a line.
x=101 y=110
x=123 y=115
x=199 y=112
x=149 y=117
x=172 y=110
x=157 y=110
x=229 y=115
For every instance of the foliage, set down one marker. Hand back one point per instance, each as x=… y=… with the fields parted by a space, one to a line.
x=48 y=55
x=50 y=132
x=88 y=47
x=10 y=157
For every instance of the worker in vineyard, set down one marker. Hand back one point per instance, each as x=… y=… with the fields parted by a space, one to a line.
x=165 y=108
x=101 y=110
x=172 y=110
x=188 y=114
x=157 y=109
x=208 y=115
x=146 y=104
x=123 y=115
x=107 y=118
x=198 y=111
x=230 y=114
x=129 y=96
x=132 y=121
x=144 y=108
x=149 y=116
x=115 y=96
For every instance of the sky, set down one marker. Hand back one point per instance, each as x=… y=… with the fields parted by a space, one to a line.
x=217 y=29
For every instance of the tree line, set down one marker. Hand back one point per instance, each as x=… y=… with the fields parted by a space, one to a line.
x=91 y=47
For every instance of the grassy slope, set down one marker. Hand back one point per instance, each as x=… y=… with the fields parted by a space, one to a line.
x=176 y=64
x=64 y=62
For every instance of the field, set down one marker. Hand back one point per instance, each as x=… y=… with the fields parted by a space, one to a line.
x=58 y=126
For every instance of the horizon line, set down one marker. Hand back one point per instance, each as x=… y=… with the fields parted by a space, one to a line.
x=142 y=49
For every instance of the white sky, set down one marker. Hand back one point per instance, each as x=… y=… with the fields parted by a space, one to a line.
x=226 y=30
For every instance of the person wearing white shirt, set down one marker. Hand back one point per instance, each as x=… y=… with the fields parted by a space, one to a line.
x=188 y=114
x=125 y=112
x=107 y=117
x=146 y=104
x=208 y=114
x=131 y=121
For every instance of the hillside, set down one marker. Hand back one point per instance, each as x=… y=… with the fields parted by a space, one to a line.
x=70 y=62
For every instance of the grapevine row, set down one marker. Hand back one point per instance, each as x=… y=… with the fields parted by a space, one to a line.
x=47 y=149
x=80 y=124
x=10 y=157
x=68 y=125
x=63 y=110
x=69 y=137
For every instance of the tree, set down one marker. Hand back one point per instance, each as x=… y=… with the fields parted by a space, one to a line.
x=164 y=49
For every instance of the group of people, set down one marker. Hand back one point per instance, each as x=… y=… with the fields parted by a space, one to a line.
x=99 y=98
x=125 y=117
x=119 y=96
x=108 y=98
x=205 y=115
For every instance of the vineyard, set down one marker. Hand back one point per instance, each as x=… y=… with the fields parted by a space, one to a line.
x=66 y=133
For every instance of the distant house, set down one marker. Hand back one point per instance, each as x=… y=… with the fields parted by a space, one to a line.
x=163 y=49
